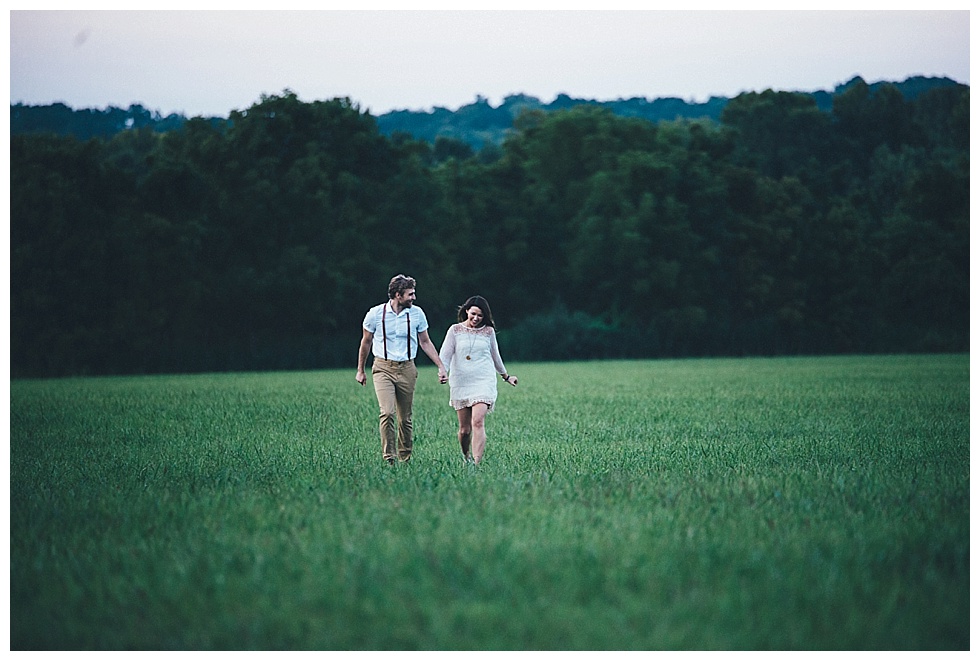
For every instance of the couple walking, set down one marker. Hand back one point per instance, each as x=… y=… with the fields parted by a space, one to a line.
x=469 y=360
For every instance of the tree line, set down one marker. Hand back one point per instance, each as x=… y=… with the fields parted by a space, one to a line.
x=259 y=242
x=478 y=124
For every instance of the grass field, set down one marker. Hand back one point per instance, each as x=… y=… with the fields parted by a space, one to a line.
x=794 y=504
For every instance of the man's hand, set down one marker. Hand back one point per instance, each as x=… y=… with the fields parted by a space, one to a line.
x=361 y=377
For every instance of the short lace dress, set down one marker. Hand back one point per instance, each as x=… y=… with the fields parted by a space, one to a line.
x=473 y=361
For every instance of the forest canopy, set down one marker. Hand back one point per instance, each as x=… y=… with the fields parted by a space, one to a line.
x=259 y=242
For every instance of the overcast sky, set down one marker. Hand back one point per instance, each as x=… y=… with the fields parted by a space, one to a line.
x=212 y=62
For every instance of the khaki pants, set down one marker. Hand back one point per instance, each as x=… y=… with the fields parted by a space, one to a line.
x=394 y=384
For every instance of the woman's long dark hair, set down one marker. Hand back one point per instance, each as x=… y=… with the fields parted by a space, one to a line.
x=479 y=302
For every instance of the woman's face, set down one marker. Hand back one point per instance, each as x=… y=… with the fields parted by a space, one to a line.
x=474 y=317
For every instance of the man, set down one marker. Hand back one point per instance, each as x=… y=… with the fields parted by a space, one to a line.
x=394 y=332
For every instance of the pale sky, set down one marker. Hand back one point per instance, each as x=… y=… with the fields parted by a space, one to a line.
x=211 y=62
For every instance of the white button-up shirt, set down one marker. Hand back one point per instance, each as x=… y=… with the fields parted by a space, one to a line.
x=401 y=331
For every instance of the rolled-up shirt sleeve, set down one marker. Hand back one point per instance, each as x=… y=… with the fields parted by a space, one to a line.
x=371 y=321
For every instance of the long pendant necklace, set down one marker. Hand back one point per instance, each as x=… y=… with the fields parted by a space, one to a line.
x=472 y=342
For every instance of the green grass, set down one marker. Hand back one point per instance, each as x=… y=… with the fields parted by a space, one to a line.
x=801 y=504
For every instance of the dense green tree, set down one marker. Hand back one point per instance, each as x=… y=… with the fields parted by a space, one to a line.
x=781 y=133
x=259 y=242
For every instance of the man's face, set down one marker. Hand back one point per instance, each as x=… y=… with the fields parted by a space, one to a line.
x=406 y=298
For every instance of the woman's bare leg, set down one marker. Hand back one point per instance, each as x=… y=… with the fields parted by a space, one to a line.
x=465 y=430
x=479 y=431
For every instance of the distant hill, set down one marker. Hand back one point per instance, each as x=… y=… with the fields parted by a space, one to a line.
x=477 y=124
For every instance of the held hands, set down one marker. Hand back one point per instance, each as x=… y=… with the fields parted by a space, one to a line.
x=361 y=377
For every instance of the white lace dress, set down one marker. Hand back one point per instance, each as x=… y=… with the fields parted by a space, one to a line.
x=473 y=361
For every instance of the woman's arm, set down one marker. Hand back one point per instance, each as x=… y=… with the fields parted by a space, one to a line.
x=498 y=362
x=448 y=349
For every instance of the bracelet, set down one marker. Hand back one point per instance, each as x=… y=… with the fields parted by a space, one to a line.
x=505 y=376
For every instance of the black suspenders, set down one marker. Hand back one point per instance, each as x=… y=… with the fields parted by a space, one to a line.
x=384 y=330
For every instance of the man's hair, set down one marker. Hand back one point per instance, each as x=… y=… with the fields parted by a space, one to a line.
x=399 y=284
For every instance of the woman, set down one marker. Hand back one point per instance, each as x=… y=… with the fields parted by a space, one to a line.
x=470 y=354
